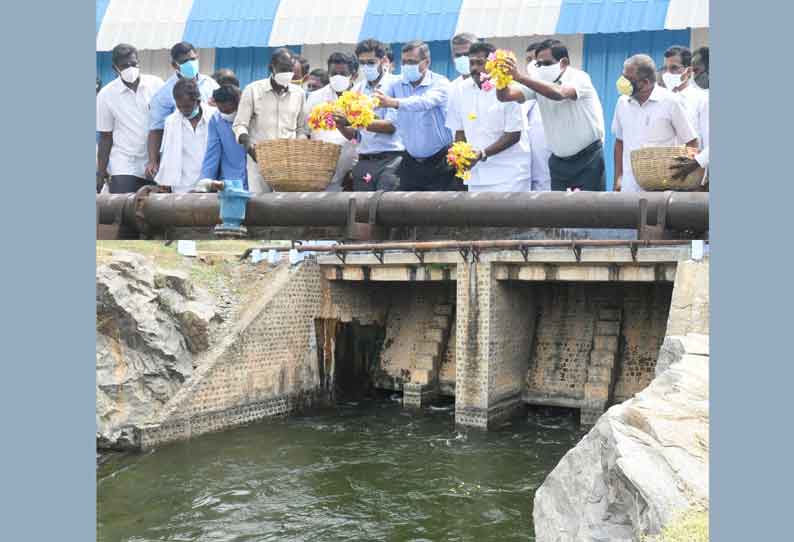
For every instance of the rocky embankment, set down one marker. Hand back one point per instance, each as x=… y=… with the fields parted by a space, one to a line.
x=151 y=326
x=644 y=463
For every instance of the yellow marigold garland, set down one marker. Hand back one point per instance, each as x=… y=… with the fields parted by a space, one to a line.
x=460 y=156
x=495 y=68
x=357 y=108
x=322 y=116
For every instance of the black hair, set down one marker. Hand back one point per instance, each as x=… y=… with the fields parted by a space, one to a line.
x=389 y=54
x=481 y=47
x=122 y=51
x=424 y=50
x=703 y=53
x=679 y=50
x=305 y=66
x=98 y=84
x=225 y=76
x=186 y=88
x=342 y=58
x=181 y=49
x=226 y=94
x=320 y=74
x=282 y=55
x=558 y=50
x=534 y=46
x=371 y=46
x=464 y=37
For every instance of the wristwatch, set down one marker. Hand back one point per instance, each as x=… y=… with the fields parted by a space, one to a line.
x=484 y=156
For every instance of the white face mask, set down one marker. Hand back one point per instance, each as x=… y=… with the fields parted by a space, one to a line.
x=339 y=83
x=548 y=73
x=671 y=80
x=130 y=74
x=532 y=68
x=283 y=78
x=227 y=116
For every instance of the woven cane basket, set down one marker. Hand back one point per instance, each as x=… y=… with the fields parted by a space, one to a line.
x=651 y=167
x=297 y=165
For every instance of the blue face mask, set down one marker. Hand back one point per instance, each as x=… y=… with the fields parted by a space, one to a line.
x=194 y=113
x=189 y=69
x=462 y=65
x=371 y=72
x=411 y=73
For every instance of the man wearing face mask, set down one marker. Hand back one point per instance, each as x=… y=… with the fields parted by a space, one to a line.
x=224 y=157
x=185 y=61
x=460 y=55
x=380 y=151
x=317 y=79
x=122 y=123
x=496 y=130
x=420 y=98
x=541 y=178
x=342 y=71
x=185 y=134
x=271 y=108
x=645 y=115
x=573 y=119
x=700 y=75
x=677 y=78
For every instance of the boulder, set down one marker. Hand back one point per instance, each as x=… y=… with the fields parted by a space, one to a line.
x=150 y=325
x=644 y=462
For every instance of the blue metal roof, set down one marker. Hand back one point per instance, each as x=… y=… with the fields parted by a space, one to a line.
x=225 y=23
x=608 y=16
x=405 y=20
x=101 y=7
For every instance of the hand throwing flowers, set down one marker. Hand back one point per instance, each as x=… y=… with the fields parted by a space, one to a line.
x=497 y=73
x=322 y=116
x=460 y=156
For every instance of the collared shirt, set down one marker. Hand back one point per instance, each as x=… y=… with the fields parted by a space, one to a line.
x=659 y=122
x=224 y=157
x=703 y=117
x=373 y=142
x=183 y=150
x=693 y=99
x=163 y=102
x=264 y=115
x=422 y=115
x=541 y=177
x=484 y=119
x=571 y=125
x=124 y=112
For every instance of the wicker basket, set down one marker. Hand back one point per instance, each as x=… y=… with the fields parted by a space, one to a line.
x=297 y=165
x=651 y=167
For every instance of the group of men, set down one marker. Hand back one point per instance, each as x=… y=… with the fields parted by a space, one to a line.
x=545 y=131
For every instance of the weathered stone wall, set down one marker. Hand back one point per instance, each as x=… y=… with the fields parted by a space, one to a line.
x=689 y=308
x=567 y=317
x=267 y=365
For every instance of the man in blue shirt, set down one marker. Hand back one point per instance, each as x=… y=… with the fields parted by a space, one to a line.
x=184 y=59
x=380 y=151
x=420 y=99
x=225 y=157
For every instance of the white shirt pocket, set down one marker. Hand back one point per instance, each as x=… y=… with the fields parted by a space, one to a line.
x=660 y=131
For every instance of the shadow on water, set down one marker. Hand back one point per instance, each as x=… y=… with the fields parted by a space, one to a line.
x=363 y=470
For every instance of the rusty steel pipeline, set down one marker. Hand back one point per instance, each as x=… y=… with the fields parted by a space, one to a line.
x=610 y=210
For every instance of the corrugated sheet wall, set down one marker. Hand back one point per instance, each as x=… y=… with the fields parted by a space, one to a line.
x=604 y=55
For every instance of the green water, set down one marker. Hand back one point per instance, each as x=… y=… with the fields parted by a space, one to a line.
x=362 y=471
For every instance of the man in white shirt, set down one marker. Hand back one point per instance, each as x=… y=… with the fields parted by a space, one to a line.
x=460 y=44
x=645 y=115
x=541 y=178
x=700 y=75
x=677 y=78
x=122 y=123
x=271 y=108
x=342 y=72
x=496 y=130
x=572 y=116
x=184 y=138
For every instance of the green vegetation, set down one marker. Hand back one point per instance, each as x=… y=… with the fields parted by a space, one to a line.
x=691 y=526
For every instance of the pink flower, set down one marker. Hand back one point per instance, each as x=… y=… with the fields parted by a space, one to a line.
x=484 y=76
x=367 y=178
x=354 y=141
x=487 y=86
x=492 y=56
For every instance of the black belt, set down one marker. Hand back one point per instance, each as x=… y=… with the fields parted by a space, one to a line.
x=440 y=154
x=380 y=155
x=592 y=147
